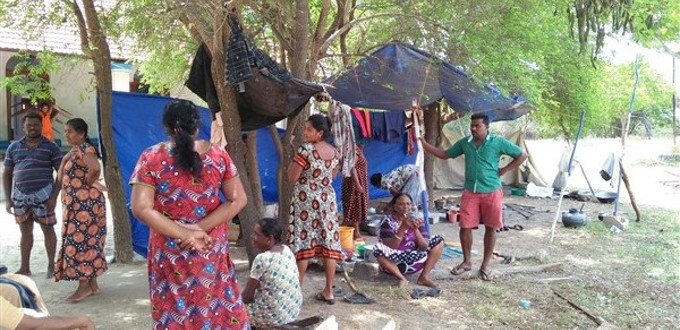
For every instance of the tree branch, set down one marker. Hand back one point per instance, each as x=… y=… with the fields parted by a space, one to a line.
x=82 y=27
x=324 y=46
x=197 y=23
x=198 y=35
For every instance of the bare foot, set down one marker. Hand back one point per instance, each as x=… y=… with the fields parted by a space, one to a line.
x=94 y=287
x=80 y=294
x=402 y=283
x=426 y=281
x=25 y=272
x=50 y=271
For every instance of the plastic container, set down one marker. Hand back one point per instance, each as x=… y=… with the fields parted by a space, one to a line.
x=347 y=238
x=360 y=250
x=233 y=231
x=452 y=215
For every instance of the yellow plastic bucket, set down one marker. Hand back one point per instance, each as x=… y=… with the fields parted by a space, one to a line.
x=347 y=238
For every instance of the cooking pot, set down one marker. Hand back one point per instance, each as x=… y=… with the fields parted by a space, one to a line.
x=606 y=196
x=574 y=218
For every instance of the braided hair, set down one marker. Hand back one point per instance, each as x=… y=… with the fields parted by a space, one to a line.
x=181 y=119
x=80 y=126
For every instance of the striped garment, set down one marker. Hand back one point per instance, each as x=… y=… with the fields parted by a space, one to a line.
x=33 y=167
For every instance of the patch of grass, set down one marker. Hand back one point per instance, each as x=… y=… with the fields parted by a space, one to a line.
x=654 y=243
x=638 y=271
x=596 y=229
x=386 y=291
x=648 y=248
x=486 y=289
x=489 y=311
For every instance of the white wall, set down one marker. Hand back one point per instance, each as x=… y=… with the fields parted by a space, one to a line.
x=74 y=91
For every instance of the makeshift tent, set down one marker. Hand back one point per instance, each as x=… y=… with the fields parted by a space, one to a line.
x=133 y=136
x=286 y=95
x=450 y=173
x=395 y=75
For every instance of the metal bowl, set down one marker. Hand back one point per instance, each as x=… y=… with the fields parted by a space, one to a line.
x=606 y=197
x=373 y=225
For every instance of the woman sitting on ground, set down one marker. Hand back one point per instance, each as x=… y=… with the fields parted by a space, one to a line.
x=273 y=292
x=403 y=245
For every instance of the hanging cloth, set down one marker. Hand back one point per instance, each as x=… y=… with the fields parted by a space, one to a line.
x=200 y=79
x=388 y=126
x=343 y=136
x=285 y=96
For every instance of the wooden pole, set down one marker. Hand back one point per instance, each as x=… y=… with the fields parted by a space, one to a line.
x=624 y=177
x=624 y=133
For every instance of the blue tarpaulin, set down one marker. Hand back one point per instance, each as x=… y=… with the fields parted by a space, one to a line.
x=395 y=75
x=136 y=120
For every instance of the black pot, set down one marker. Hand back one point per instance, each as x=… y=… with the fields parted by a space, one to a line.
x=574 y=218
x=606 y=197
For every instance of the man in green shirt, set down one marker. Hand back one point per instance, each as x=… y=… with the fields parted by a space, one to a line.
x=482 y=197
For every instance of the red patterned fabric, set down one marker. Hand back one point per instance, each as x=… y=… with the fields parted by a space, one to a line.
x=355 y=203
x=84 y=231
x=190 y=290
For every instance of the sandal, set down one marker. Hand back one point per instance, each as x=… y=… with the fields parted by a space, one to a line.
x=320 y=297
x=339 y=292
x=486 y=275
x=422 y=293
x=460 y=269
x=418 y=293
x=434 y=292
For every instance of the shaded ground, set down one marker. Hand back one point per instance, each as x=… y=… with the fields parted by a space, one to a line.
x=630 y=279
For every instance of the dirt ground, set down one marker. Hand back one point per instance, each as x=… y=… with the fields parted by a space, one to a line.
x=630 y=279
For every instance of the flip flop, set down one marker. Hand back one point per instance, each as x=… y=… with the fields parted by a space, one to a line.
x=486 y=275
x=319 y=296
x=422 y=293
x=460 y=269
x=517 y=227
x=358 y=298
x=418 y=293
x=434 y=292
x=339 y=292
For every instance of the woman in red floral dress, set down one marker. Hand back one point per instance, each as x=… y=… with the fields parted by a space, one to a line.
x=176 y=186
x=83 y=233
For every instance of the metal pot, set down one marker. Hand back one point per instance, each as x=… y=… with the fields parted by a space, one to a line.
x=606 y=197
x=574 y=218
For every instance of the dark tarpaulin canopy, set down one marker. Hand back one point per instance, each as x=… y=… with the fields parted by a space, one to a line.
x=396 y=74
x=270 y=93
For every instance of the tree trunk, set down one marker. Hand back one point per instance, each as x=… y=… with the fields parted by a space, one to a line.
x=293 y=136
x=101 y=57
x=253 y=172
x=432 y=118
x=232 y=129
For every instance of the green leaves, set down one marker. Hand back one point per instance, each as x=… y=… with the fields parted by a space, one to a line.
x=30 y=76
